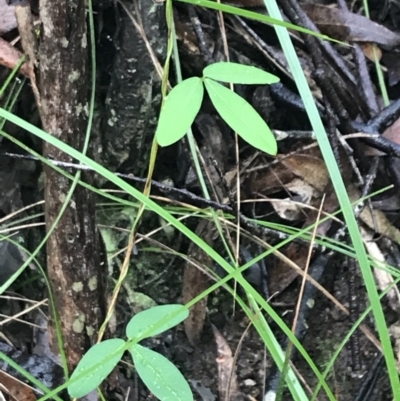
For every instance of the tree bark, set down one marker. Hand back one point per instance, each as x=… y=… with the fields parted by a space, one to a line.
x=73 y=250
x=133 y=98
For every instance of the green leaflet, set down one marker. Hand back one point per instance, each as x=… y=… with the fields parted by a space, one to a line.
x=241 y=117
x=239 y=74
x=156 y=320
x=179 y=110
x=160 y=375
x=95 y=366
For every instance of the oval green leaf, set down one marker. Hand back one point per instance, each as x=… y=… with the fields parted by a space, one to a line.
x=241 y=117
x=160 y=375
x=238 y=74
x=155 y=320
x=179 y=110
x=98 y=362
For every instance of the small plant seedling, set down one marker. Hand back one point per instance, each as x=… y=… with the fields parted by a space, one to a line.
x=183 y=103
x=160 y=375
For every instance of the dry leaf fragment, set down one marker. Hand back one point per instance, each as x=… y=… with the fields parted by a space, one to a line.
x=393 y=132
x=383 y=278
x=349 y=27
x=311 y=169
x=368 y=50
x=227 y=380
x=16 y=389
x=308 y=167
x=194 y=283
x=290 y=209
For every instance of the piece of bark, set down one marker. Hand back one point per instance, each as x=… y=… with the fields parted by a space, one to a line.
x=74 y=264
x=133 y=99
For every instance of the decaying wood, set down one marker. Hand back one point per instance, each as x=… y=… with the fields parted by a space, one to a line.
x=73 y=255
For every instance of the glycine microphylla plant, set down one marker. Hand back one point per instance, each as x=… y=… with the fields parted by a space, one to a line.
x=160 y=375
x=183 y=103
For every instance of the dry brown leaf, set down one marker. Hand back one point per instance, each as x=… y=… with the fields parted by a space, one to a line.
x=282 y=275
x=309 y=167
x=16 y=389
x=291 y=208
x=227 y=380
x=368 y=50
x=273 y=180
x=393 y=132
x=349 y=27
